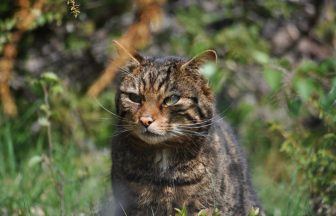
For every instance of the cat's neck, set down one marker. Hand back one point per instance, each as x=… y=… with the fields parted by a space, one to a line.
x=166 y=164
x=165 y=154
x=180 y=144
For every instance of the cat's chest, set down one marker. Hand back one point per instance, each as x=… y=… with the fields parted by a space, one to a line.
x=162 y=160
x=160 y=166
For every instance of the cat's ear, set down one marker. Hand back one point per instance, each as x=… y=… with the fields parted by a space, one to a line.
x=136 y=57
x=200 y=59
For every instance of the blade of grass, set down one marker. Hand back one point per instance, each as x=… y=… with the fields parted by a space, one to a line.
x=2 y=158
x=10 y=149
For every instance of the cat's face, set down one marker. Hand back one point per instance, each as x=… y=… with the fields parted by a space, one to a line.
x=162 y=99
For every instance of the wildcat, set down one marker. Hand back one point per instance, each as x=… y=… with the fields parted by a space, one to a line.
x=172 y=150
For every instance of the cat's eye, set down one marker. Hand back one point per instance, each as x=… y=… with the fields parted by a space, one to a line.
x=134 y=97
x=171 y=100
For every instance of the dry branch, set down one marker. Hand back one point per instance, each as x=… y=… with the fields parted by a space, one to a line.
x=25 y=17
x=137 y=36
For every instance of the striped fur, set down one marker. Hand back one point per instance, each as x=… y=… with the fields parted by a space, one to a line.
x=187 y=156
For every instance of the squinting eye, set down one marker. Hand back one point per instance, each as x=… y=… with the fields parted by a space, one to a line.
x=134 y=97
x=171 y=100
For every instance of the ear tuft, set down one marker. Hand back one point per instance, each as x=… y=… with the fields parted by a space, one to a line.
x=136 y=57
x=200 y=59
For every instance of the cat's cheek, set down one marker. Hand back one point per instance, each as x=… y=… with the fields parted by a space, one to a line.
x=135 y=108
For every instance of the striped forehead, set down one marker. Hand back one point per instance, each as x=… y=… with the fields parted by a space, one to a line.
x=154 y=78
x=156 y=75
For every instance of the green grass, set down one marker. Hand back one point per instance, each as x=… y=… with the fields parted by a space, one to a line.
x=281 y=198
x=70 y=181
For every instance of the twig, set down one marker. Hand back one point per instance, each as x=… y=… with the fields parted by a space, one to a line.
x=59 y=185
x=46 y=102
x=137 y=36
x=25 y=17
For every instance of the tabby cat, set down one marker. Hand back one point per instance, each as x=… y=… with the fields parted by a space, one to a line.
x=172 y=150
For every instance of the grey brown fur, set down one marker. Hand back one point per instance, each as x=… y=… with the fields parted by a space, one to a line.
x=190 y=158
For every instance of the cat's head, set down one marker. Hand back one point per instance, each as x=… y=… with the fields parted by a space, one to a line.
x=165 y=98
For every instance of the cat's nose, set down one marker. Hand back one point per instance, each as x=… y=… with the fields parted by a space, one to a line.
x=146 y=120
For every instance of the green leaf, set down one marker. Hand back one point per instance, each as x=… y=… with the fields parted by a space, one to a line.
x=34 y=160
x=304 y=88
x=328 y=102
x=307 y=66
x=50 y=77
x=294 y=106
x=57 y=89
x=326 y=66
x=273 y=78
x=44 y=108
x=43 y=122
x=261 y=57
x=202 y=213
x=181 y=212
x=254 y=212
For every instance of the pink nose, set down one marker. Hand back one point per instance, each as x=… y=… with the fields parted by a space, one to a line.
x=146 y=120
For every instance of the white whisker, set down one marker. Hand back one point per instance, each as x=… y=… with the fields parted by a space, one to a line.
x=107 y=110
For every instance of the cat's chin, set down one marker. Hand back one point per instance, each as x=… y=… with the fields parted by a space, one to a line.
x=152 y=138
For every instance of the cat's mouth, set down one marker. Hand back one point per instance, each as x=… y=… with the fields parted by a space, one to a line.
x=152 y=137
x=151 y=133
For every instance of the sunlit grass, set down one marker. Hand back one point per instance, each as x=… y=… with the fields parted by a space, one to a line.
x=281 y=198
x=68 y=182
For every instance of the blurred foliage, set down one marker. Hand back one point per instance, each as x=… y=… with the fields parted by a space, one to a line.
x=68 y=178
x=280 y=100
x=53 y=14
x=310 y=140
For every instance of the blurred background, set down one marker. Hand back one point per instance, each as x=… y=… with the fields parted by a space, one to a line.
x=275 y=83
